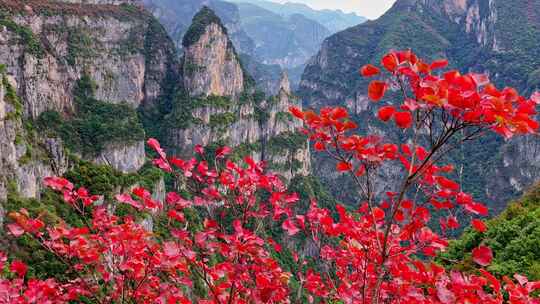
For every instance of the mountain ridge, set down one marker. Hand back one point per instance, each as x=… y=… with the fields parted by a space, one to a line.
x=334 y=20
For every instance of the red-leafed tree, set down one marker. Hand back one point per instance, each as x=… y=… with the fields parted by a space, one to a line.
x=380 y=253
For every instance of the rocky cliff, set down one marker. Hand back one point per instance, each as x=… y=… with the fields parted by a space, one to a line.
x=52 y=53
x=284 y=148
x=23 y=164
x=491 y=36
x=210 y=64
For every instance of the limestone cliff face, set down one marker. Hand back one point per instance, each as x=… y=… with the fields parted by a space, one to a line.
x=23 y=160
x=128 y=157
x=294 y=158
x=211 y=66
x=111 y=48
x=478 y=18
x=46 y=47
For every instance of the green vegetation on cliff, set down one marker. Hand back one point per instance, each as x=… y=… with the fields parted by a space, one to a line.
x=514 y=237
x=95 y=123
x=27 y=39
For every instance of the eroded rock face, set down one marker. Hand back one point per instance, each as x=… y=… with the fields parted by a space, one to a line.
x=211 y=66
x=244 y=128
x=70 y=39
x=23 y=163
x=108 y=48
x=290 y=161
x=127 y=157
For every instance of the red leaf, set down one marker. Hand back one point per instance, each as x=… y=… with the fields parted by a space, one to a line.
x=403 y=119
x=319 y=146
x=199 y=149
x=369 y=70
x=223 y=151
x=343 y=166
x=15 y=229
x=378 y=214
x=390 y=62
x=154 y=144
x=452 y=222
x=385 y=113
x=171 y=250
x=19 y=268
x=126 y=199
x=482 y=255
x=162 y=164
x=339 y=113
x=296 y=112
x=477 y=209
x=492 y=280
x=58 y=183
x=175 y=215
x=479 y=226
x=361 y=171
x=535 y=97
x=376 y=90
x=522 y=280
x=447 y=183
x=439 y=64
x=290 y=227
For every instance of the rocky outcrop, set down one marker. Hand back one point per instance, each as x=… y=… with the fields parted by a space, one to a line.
x=211 y=66
x=24 y=160
x=111 y=48
x=221 y=107
x=176 y=17
x=128 y=157
x=284 y=148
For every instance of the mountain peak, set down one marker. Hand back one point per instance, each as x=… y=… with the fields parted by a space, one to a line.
x=284 y=83
x=449 y=7
x=211 y=65
x=205 y=17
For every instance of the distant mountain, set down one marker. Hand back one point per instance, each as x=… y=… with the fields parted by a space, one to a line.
x=288 y=41
x=497 y=37
x=333 y=20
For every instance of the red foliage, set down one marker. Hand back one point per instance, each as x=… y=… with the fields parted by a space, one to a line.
x=369 y=70
x=376 y=90
x=385 y=113
x=369 y=255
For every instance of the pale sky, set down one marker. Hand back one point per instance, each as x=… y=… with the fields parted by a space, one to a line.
x=371 y=9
